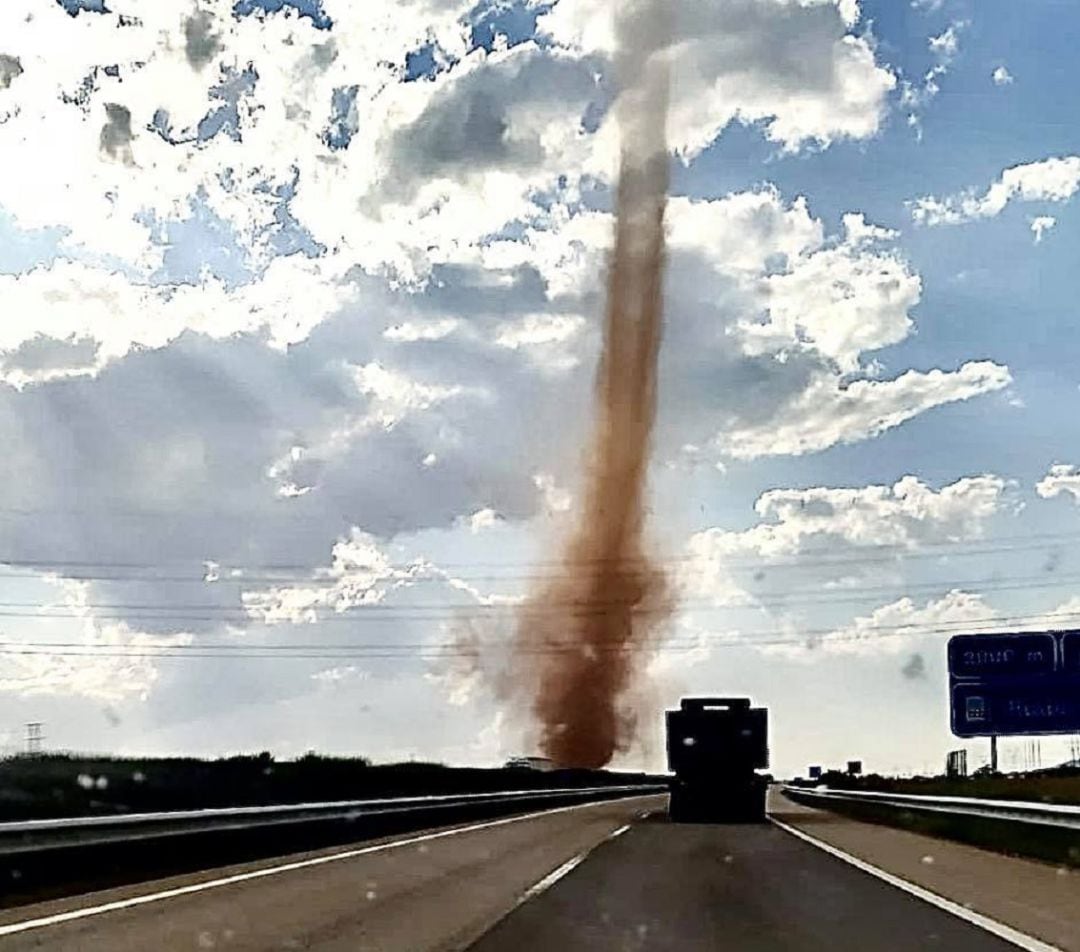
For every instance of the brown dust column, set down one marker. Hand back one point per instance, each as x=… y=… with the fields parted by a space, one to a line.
x=582 y=638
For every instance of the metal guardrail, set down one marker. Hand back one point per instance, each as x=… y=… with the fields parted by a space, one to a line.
x=27 y=836
x=1017 y=811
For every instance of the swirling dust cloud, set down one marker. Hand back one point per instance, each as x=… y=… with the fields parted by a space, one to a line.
x=581 y=637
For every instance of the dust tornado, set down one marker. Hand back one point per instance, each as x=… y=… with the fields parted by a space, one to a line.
x=581 y=637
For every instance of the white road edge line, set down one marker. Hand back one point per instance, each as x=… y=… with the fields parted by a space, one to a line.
x=61 y=917
x=1002 y=931
x=559 y=872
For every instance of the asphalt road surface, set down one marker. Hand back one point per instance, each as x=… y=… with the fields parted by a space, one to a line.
x=429 y=891
x=599 y=878
x=664 y=886
x=1035 y=898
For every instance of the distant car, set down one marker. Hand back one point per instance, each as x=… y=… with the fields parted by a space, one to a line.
x=530 y=763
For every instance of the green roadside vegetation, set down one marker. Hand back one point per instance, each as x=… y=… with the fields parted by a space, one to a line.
x=1051 y=843
x=58 y=785
x=1054 y=785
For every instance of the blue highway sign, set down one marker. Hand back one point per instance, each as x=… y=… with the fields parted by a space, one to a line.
x=1070 y=651
x=981 y=656
x=980 y=710
x=1025 y=683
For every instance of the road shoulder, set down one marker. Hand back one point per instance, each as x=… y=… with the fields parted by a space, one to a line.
x=1035 y=898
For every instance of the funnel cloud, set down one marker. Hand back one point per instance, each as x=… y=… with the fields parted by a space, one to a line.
x=581 y=637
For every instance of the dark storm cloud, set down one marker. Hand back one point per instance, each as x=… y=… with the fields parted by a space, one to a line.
x=201 y=43
x=914 y=668
x=470 y=125
x=116 y=134
x=164 y=458
x=710 y=382
x=10 y=68
x=160 y=458
x=42 y=354
x=481 y=294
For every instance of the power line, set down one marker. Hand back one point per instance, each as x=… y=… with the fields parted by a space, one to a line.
x=422 y=650
x=586 y=607
x=819 y=556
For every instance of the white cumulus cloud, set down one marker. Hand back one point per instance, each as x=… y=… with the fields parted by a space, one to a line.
x=121 y=670
x=1040 y=225
x=907 y=514
x=71 y=318
x=1062 y=479
x=943 y=48
x=806 y=528
x=827 y=412
x=359 y=574
x=1049 y=180
x=890 y=627
x=164 y=109
x=390 y=326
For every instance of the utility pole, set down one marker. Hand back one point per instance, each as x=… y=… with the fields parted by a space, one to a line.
x=34 y=737
x=993 y=754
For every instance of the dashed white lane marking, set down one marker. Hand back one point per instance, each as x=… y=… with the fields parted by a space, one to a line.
x=556 y=874
x=83 y=913
x=1002 y=931
x=552 y=878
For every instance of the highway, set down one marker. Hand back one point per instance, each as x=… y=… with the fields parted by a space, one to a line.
x=437 y=890
x=612 y=876
x=745 y=888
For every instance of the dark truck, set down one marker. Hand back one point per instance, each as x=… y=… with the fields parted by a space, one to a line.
x=715 y=746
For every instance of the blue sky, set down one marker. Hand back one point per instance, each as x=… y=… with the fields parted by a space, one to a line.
x=335 y=333
x=988 y=289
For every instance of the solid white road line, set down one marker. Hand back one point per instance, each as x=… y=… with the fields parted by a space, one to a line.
x=1002 y=931
x=61 y=917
